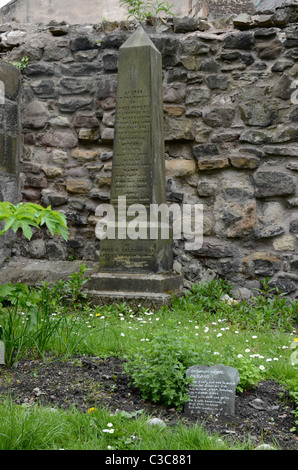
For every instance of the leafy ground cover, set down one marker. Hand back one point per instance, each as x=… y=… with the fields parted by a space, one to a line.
x=79 y=377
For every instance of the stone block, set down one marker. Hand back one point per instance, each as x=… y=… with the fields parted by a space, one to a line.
x=234 y=219
x=285 y=243
x=240 y=40
x=107 y=134
x=103 y=180
x=59 y=121
x=84 y=155
x=52 y=171
x=185 y=24
x=193 y=46
x=80 y=69
x=210 y=66
x=77 y=186
x=215 y=248
x=180 y=168
x=207 y=188
x=294 y=226
x=59 y=157
x=244 y=161
x=259 y=114
x=219 y=116
x=265 y=267
x=44 y=88
x=75 y=86
x=200 y=151
x=197 y=96
x=110 y=62
x=70 y=104
x=273 y=183
x=178 y=129
x=169 y=47
x=53 y=198
x=89 y=135
x=191 y=62
x=85 y=119
x=174 y=111
x=114 y=39
x=175 y=93
x=280 y=134
x=82 y=43
x=135 y=282
x=286 y=286
x=269 y=50
x=39 y=69
x=218 y=82
x=35 y=115
x=35 y=181
x=284 y=87
x=57 y=138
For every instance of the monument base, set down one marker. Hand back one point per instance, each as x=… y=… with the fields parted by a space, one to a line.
x=152 y=291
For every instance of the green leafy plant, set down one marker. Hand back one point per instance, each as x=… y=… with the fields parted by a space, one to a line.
x=29 y=321
x=294 y=355
x=294 y=396
x=29 y=215
x=249 y=374
x=158 y=370
x=70 y=291
x=25 y=321
x=22 y=64
x=141 y=10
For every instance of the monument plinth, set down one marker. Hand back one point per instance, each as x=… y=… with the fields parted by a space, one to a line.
x=135 y=254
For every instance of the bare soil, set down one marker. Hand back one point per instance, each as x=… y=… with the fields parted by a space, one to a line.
x=264 y=414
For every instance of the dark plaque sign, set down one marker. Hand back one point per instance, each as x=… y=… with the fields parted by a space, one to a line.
x=212 y=391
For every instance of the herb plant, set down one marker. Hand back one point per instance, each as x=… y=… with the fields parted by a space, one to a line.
x=141 y=10
x=29 y=215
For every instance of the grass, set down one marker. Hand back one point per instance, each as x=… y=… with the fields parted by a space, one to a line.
x=199 y=328
x=43 y=428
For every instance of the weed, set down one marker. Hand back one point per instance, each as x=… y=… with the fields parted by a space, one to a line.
x=22 y=64
x=140 y=9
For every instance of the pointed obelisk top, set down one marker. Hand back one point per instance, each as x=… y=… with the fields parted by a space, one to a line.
x=138 y=39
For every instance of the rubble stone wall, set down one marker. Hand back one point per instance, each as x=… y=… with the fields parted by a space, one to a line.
x=10 y=143
x=230 y=113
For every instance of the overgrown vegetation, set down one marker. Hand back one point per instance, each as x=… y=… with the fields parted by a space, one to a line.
x=31 y=324
x=45 y=428
x=205 y=326
x=25 y=216
x=140 y=10
x=23 y=63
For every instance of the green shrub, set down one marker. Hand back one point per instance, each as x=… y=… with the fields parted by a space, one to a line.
x=140 y=9
x=249 y=373
x=158 y=370
x=30 y=322
x=25 y=216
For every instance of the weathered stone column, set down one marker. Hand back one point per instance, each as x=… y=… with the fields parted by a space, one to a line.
x=10 y=137
x=136 y=259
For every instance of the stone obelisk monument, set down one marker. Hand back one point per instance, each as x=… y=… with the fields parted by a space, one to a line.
x=136 y=264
